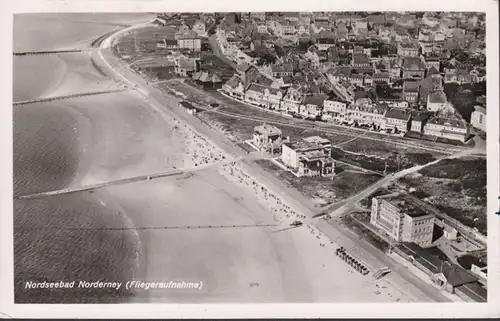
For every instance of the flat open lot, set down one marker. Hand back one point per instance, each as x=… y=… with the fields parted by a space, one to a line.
x=323 y=191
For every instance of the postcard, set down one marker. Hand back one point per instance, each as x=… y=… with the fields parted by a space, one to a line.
x=250 y=160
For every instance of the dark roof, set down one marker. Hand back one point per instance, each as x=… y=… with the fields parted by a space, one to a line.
x=365 y=71
x=413 y=63
x=466 y=261
x=410 y=86
x=456 y=276
x=315 y=100
x=329 y=41
x=418 y=116
x=433 y=71
x=360 y=59
x=397 y=114
x=437 y=97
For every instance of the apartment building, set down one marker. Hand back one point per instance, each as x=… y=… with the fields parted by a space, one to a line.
x=401 y=219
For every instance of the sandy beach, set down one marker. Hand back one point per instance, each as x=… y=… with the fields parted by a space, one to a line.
x=100 y=138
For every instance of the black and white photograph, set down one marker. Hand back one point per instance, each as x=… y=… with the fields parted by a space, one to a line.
x=203 y=157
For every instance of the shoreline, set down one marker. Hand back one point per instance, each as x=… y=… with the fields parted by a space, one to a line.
x=267 y=194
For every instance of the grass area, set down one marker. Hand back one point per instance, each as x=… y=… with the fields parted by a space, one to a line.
x=371 y=148
x=364 y=233
x=457 y=187
x=395 y=161
x=323 y=191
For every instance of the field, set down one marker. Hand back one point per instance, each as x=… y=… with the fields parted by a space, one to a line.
x=323 y=191
x=457 y=187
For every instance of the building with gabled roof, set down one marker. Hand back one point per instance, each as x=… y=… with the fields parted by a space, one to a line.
x=398 y=120
x=448 y=128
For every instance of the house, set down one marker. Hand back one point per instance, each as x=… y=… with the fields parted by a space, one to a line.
x=365 y=115
x=397 y=120
x=234 y=87
x=436 y=101
x=478 y=118
x=168 y=44
x=413 y=68
x=312 y=106
x=189 y=40
x=341 y=73
x=324 y=44
x=288 y=29
x=441 y=127
x=282 y=70
x=327 y=145
x=292 y=100
x=261 y=28
x=308 y=159
x=410 y=91
x=312 y=56
x=264 y=96
x=418 y=121
x=185 y=66
x=431 y=83
x=381 y=78
x=255 y=94
x=402 y=219
x=407 y=49
x=200 y=28
x=460 y=76
x=333 y=108
x=360 y=27
x=432 y=62
x=268 y=138
x=356 y=79
x=207 y=79
x=360 y=61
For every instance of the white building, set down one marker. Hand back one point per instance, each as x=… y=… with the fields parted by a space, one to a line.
x=478 y=118
x=401 y=219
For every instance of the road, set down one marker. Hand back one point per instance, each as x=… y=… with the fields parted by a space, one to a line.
x=292 y=197
x=349 y=204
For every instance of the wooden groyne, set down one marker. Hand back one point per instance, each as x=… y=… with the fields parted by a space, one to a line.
x=48 y=52
x=42 y=100
x=171 y=172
